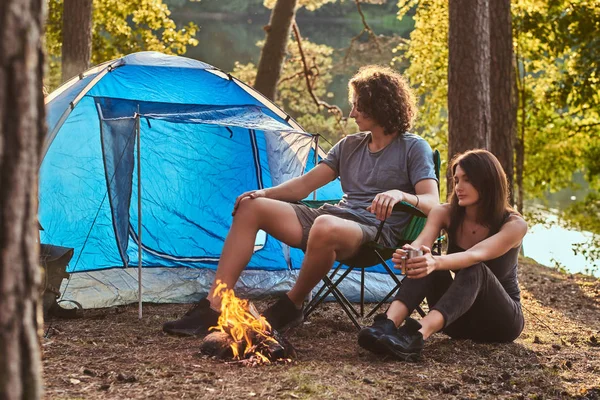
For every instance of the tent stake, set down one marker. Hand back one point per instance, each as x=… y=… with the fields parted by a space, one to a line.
x=139 y=176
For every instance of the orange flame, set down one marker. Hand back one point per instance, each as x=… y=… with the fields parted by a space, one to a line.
x=242 y=322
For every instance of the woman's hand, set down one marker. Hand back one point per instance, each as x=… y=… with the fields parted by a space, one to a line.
x=416 y=267
x=384 y=202
x=252 y=194
x=399 y=257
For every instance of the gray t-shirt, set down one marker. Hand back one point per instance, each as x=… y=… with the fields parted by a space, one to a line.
x=364 y=174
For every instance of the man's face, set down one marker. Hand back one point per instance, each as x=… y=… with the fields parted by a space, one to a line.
x=364 y=123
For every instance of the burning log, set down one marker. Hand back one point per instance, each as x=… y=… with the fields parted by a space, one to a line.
x=243 y=334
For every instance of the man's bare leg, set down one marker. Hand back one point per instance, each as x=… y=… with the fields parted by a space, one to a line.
x=275 y=217
x=330 y=238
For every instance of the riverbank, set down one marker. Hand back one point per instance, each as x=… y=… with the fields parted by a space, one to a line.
x=110 y=354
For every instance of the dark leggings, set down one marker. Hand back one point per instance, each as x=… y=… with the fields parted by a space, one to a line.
x=474 y=304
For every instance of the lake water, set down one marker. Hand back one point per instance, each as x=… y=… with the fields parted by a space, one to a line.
x=552 y=245
x=224 y=41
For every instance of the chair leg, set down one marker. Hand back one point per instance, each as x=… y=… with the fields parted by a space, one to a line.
x=315 y=300
x=362 y=292
x=340 y=298
x=382 y=302
x=397 y=287
x=347 y=308
x=332 y=288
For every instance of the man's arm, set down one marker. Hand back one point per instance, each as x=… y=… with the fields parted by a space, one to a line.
x=298 y=188
x=425 y=199
x=295 y=189
x=427 y=194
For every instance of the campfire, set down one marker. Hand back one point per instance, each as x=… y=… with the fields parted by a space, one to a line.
x=242 y=334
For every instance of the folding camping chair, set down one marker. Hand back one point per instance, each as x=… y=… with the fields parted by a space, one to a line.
x=370 y=255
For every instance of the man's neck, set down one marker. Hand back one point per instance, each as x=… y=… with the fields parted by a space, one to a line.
x=379 y=140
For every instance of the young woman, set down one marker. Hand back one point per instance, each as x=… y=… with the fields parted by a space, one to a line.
x=482 y=301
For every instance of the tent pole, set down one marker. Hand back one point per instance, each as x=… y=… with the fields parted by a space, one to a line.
x=139 y=176
x=316 y=160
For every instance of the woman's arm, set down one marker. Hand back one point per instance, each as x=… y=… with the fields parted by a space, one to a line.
x=436 y=221
x=509 y=236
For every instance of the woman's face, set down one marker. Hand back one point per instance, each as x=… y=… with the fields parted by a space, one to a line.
x=465 y=191
x=364 y=123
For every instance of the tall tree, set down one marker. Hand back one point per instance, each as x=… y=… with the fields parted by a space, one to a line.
x=272 y=55
x=77 y=37
x=502 y=88
x=469 y=110
x=21 y=131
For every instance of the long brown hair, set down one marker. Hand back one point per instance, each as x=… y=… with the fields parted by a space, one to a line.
x=487 y=177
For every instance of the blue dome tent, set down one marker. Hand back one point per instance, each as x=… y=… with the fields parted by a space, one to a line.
x=197 y=138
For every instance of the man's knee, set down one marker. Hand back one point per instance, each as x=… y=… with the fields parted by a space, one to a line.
x=327 y=230
x=250 y=210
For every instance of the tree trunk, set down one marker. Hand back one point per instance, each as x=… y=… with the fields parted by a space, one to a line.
x=77 y=37
x=503 y=101
x=468 y=78
x=22 y=128
x=520 y=145
x=273 y=52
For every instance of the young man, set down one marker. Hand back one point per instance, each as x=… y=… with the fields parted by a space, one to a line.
x=378 y=168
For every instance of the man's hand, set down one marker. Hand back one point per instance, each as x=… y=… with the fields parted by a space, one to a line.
x=252 y=194
x=384 y=202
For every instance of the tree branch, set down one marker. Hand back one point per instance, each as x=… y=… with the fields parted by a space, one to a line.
x=308 y=72
x=366 y=29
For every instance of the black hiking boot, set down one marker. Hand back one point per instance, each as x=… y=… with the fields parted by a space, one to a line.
x=284 y=315
x=406 y=344
x=195 y=322
x=368 y=337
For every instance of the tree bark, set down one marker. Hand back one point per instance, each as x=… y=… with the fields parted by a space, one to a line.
x=468 y=78
x=273 y=52
x=77 y=37
x=503 y=100
x=22 y=128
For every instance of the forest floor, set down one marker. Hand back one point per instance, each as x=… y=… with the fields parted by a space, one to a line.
x=110 y=354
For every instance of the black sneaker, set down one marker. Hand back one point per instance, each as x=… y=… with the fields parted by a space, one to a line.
x=195 y=322
x=368 y=337
x=406 y=344
x=283 y=315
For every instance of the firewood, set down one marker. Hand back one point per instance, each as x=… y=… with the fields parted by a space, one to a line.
x=217 y=344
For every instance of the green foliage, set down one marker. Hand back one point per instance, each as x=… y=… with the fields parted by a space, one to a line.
x=426 y=55
x=292 y=92
x=120 y=28
x=559 y=90
x=556 y=44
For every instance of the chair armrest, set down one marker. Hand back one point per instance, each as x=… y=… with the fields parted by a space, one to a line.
x=318 y=203
x=410 y=209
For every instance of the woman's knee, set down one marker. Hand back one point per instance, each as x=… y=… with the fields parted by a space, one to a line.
x=479 y=270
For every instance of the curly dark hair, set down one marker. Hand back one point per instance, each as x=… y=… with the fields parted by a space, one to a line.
x=384 y=96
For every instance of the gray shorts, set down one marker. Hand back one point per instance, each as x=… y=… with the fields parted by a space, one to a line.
x=307 y=216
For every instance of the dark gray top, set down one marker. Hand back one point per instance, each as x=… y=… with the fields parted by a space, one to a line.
x=364 y=174
x=504 y=267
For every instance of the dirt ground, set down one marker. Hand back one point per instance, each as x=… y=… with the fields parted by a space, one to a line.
x=110 y=354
